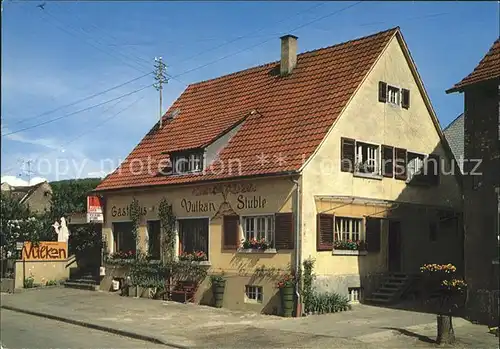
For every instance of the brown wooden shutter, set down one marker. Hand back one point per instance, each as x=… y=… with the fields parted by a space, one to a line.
x=283 y=231
x=405 y=100
x=347 y=154
x=388 y=161
x=373 y=230
x=231 y=234
x=400 y=170
x=324 y=237
x=433 y=169
x=382 y=91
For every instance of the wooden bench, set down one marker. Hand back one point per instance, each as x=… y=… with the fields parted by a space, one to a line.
x=185 y=288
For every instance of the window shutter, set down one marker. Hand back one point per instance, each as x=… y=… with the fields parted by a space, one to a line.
x=400 y=162
x=382 y=91
x=283 y=231
x=373 y=229
x=433 y=169
x=324 y=238
x=388 y=161
x=231 y=232
x=405 y=101
x=347 y=156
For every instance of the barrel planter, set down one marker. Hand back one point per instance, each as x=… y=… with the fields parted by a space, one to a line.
x=218 y=290
x=287 y=300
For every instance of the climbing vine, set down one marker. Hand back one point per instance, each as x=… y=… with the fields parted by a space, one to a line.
x=135 y=217
x=167 y=220
x=307 y=284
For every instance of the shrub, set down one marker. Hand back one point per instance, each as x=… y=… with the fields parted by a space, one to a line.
x=29 y=282
x=328 y=302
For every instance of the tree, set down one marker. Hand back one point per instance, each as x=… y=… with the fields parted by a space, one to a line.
x=18 y=224
x=449 y=294
x=70 y=196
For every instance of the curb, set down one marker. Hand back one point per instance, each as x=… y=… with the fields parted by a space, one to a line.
x=96 y=327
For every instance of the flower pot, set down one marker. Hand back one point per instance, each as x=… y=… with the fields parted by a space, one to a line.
x=287 y=300
x=218 y=290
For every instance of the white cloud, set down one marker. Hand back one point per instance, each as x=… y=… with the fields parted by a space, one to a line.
x=49 y=143
x=16 y=181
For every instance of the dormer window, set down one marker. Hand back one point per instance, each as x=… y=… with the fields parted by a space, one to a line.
x=189 y=162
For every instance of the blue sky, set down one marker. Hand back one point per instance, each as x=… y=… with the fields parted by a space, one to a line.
x=71 y=50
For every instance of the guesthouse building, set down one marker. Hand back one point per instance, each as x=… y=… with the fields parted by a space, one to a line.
x=307 y=154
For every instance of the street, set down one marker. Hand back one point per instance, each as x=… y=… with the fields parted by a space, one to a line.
x=26 y=331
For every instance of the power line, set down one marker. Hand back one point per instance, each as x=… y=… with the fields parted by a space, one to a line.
x=266 y=41
x=112 y=37
x=81 y=100
x=76 y=112
x=251 y=33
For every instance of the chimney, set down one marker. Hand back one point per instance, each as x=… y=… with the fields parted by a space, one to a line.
x=288 y=54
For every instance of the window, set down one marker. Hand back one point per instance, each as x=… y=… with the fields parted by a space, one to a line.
x=186 y=163
x=123 y=238
x=154 y=239
x=367 y=158
x=393 y=95
x=348 y=229
x=354 y=294
x=259 y=227
x=193 y=235
x=253 y=294
x=415 y=164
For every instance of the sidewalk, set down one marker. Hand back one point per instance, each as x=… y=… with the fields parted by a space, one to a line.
x=193 y=326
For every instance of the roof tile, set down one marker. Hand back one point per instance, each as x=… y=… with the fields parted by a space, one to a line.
x=293 y=115
x=487 y=69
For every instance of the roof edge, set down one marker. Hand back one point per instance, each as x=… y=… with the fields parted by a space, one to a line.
x=202 y=181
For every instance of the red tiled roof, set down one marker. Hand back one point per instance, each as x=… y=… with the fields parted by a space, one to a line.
x=286 y=118
x=487 y=69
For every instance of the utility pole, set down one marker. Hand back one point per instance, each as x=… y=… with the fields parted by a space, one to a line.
x=25 y=171
x=160 y=69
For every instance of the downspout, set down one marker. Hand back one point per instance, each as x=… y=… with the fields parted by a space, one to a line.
x=298 y=246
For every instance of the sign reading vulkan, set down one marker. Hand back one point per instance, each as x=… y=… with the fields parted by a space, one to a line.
x=94 y=209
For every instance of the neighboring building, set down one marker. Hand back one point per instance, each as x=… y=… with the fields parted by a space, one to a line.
x=36 y=197
x=292 y=151
x=481 y=184
x=454 y=134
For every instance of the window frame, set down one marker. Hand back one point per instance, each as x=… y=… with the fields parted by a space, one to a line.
x=258 y=292
x=255 y=216
x=378 y=154
x=409 y=177
x=362 y=232
x=116 y=238
x=149 y=237
x=178 y=234
x=351 y=291
x=188 y=159
x=399 y=95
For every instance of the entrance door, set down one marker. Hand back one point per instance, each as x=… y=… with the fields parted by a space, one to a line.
x=193 y=235
x=394 y=246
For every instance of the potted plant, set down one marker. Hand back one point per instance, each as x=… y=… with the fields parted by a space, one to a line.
x=218 y=287
x=286 y=285
x=254 y=244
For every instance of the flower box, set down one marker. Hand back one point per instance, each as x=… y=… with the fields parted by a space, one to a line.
x=350 y=252
x=256 y=250
x=254 y=244
x=197 y=256
x=349 y=245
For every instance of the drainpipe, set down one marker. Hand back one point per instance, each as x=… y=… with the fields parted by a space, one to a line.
x=298 y=243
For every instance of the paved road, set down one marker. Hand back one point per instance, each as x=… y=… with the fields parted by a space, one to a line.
x=31 y=332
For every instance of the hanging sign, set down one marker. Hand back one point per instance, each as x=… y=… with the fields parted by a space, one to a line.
x=94 y=209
